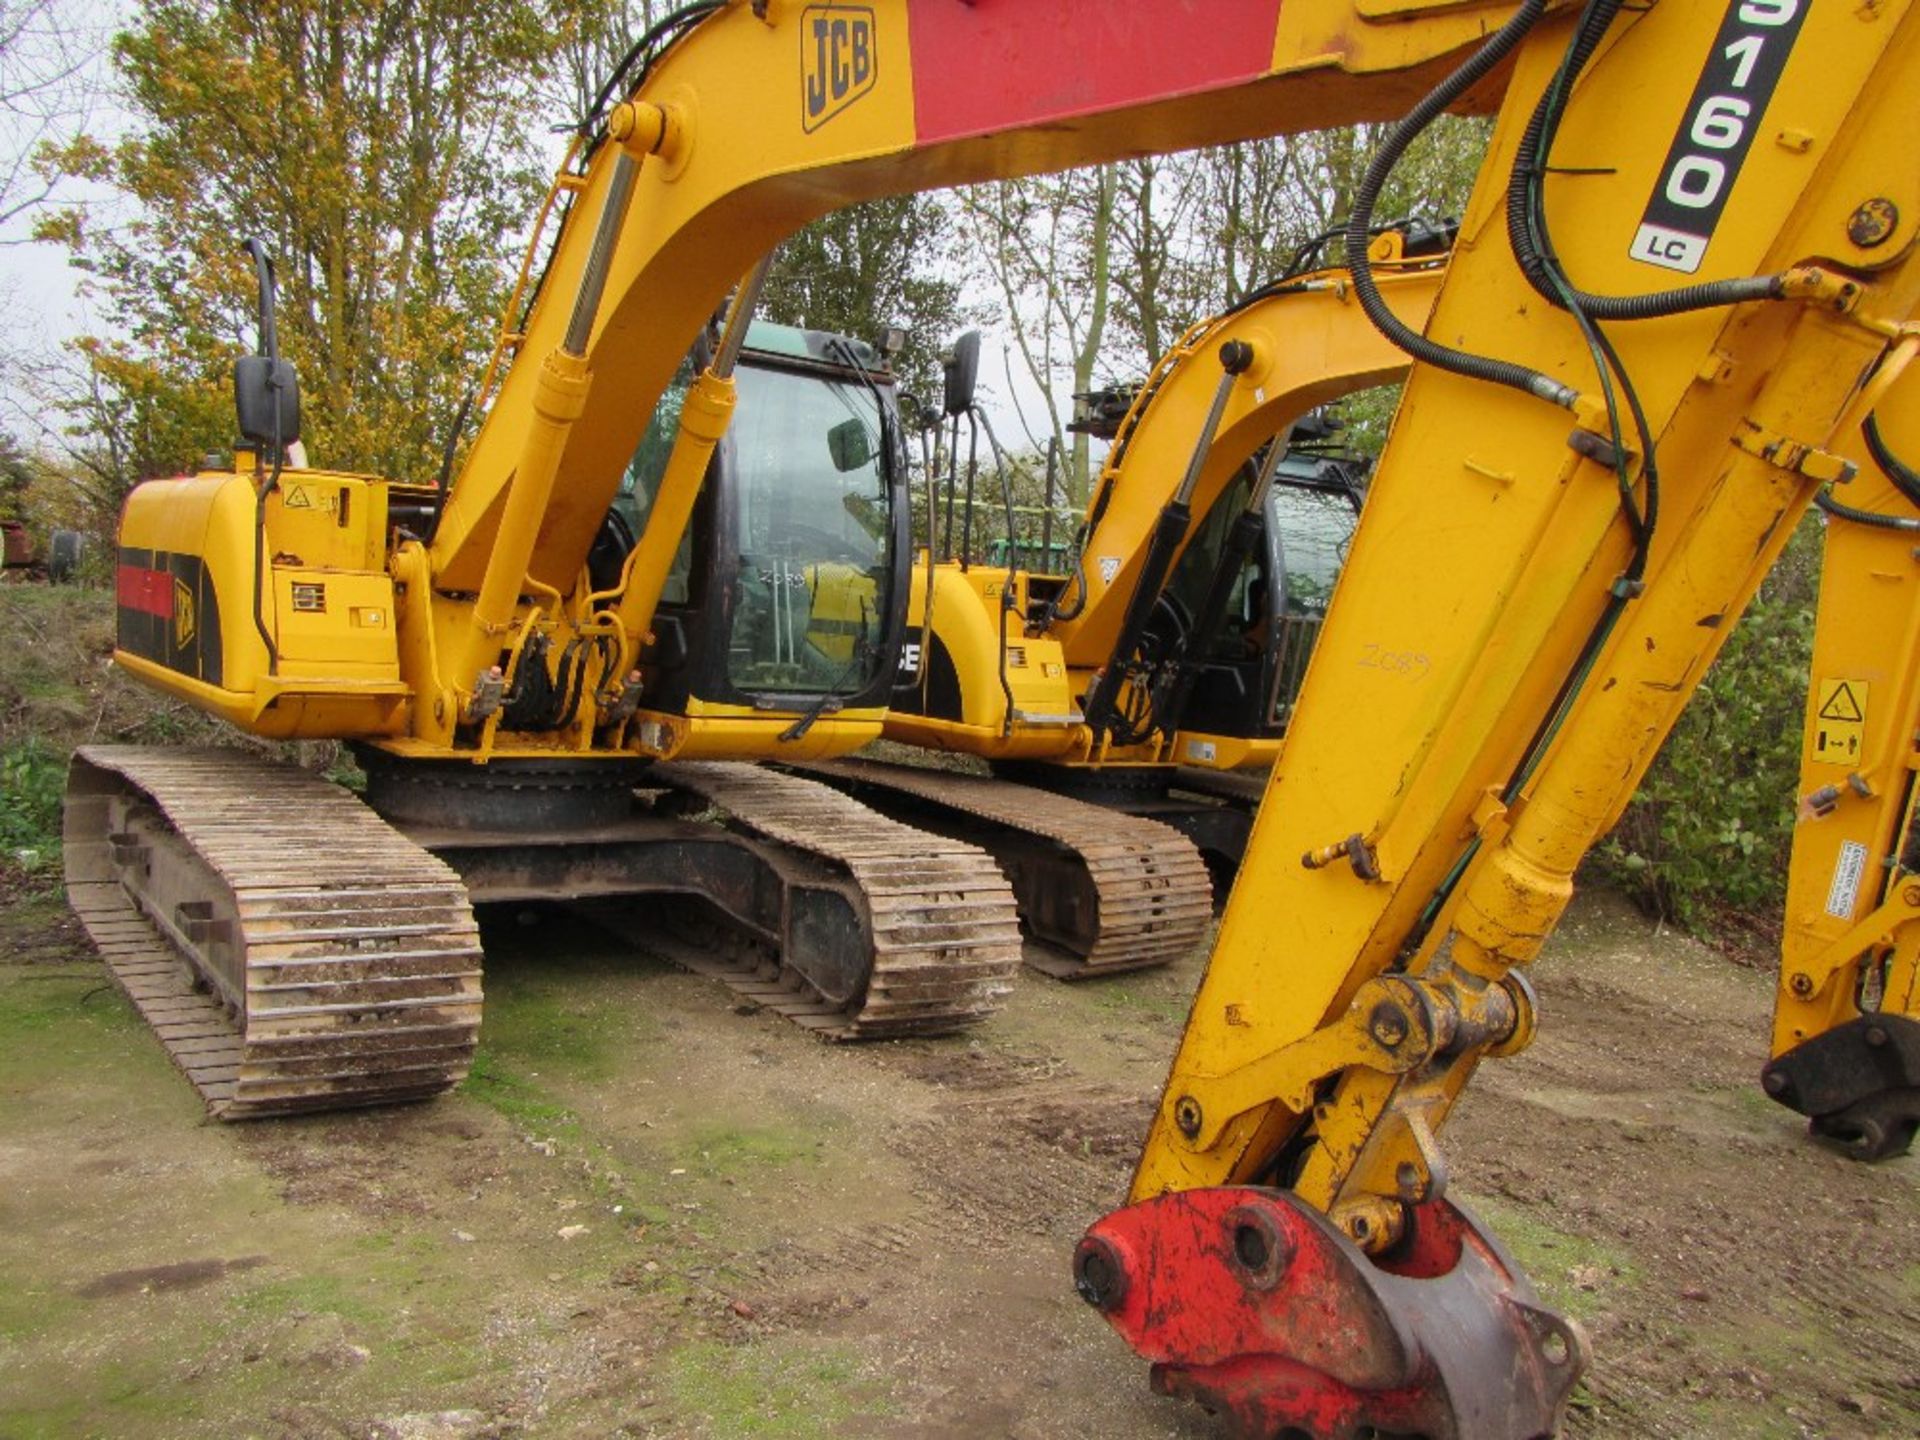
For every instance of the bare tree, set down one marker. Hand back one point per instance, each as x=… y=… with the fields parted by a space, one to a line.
x=48 y=50
x=1047 y=245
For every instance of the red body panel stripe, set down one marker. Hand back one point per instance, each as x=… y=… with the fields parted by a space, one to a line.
x=148 y=591
x=985 y=65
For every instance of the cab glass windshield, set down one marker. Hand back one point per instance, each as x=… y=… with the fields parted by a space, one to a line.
x=811 y=533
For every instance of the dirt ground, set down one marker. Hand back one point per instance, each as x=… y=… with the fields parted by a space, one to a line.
x=651 y=1214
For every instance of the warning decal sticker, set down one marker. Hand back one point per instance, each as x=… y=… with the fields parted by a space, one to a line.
x=1847 y=870
x=1840 y=721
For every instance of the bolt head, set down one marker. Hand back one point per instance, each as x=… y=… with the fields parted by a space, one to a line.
x=1873 y=223
x=1801 y=985
x=1388 y=1025
x=1186 y=1116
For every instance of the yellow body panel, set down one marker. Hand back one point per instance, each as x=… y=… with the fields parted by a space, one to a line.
x=731 y=179
x=1223 y=752
x=328 y=604
x=728 y=732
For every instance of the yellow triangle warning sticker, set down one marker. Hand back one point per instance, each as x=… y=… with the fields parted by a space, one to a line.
x=1839 y=702
x=1840 y=722
x=298 y=499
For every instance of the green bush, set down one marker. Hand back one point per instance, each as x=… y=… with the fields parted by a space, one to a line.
x=32 y=777
x=1705 y=842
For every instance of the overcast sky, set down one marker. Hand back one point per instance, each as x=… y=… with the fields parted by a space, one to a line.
x=45 y=307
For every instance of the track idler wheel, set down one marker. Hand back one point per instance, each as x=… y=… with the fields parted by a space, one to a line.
x=1255 y=1305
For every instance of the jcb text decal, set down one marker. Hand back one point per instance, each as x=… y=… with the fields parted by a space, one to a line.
x=839 y=60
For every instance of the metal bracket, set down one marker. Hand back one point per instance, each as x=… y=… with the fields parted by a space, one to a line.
x=1794 y=455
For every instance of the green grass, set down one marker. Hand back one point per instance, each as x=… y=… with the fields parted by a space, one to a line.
x=1121 y=998
x=33 y=777
x=774 y=1391
x=560 y=1021
x=494 y=1084
x=1744 y=1420
x=728 y=1149
x=54 y=1016
x=26 y=1314
x=355 y=1302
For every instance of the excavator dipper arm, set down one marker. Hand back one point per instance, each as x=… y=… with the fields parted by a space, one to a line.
x=1846 y=1036
x=1538 y=581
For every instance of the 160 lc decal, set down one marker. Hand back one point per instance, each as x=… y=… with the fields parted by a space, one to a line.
x=1749 y=55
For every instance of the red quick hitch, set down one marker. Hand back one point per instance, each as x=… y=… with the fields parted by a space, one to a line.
x=1252 y=1303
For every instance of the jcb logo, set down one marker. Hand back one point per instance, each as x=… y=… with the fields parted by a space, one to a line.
x=183 y=616
x=837 y=60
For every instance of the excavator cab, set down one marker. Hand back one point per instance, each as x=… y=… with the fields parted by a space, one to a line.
x=1247 y=669
x=783 y=594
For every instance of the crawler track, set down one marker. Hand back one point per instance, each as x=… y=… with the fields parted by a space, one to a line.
x=1103 y=891
x=1236 y=787
x=291 y=951
x=945 y=934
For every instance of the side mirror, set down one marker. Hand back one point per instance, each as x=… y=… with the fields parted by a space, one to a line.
x=266 y=392
x=962 y=373
x=266 y=401
x=850 y=445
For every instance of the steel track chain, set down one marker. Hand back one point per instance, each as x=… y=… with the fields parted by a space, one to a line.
x=945 y=928
x=1153 y=895
x=323 y=960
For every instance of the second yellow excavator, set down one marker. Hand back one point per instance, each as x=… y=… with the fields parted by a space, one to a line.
x=1116 y=700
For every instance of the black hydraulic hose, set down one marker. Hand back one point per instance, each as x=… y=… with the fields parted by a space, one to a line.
x=1526 y=213
x=665 y=29
x=260 y=542
x=1170 y=697
x=973 y=471
x=1824 y=499
x=953 y=486
x=1078 y=581
x=445 y=483
x=1359 y=225
x=1168 y=532
x=1904 y=478
x=1007 y=597
x=1006 y=485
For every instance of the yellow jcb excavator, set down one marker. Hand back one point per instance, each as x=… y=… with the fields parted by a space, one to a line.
x=1684 y=282
x=1115 y=699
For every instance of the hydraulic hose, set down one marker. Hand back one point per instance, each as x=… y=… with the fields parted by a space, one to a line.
x=1526 y=210
x=1903 y=476
x=1360 y=224
x=1824 y=499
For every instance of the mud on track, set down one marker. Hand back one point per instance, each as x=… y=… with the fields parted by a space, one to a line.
x=649 y=1215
